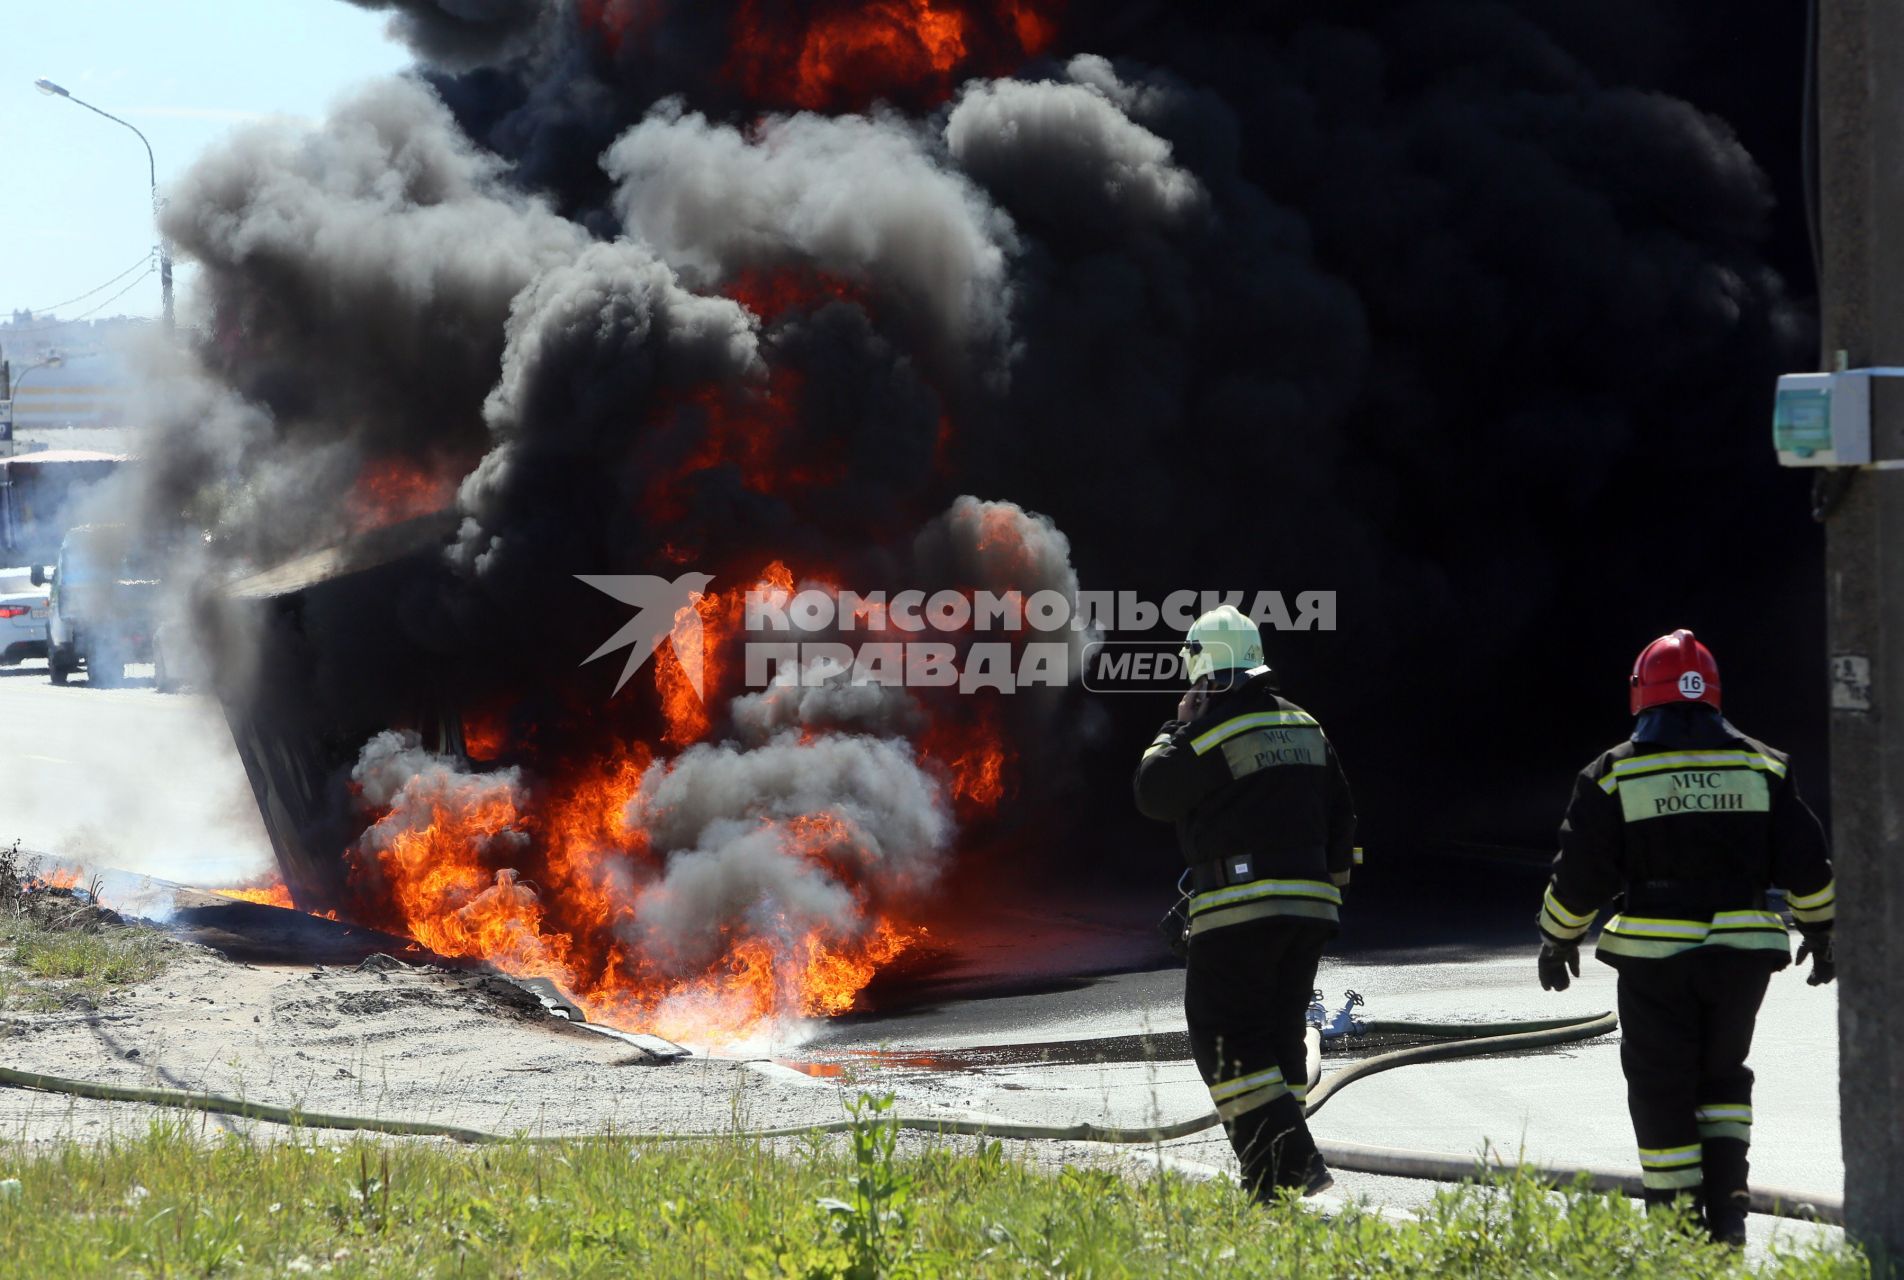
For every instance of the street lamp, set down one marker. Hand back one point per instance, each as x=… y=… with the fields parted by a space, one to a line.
x=165 y=253
x=11 y=382
x=52 y=360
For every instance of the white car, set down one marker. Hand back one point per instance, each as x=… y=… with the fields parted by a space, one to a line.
x=22 y=616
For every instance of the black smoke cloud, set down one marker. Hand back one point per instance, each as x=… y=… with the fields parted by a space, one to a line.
x=462 y=33
x=1450 y=307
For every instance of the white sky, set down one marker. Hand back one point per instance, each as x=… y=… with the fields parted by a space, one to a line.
x=75 y=204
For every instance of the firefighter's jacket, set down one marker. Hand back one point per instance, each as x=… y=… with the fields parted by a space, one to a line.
x=1262 y=809
x=1690 y=822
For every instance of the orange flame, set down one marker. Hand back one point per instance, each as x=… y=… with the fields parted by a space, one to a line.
x=447 y=895
x=721 y=616
x=973 y=756
x=442 y=878
x=545 y=881
x=485 y=734
x=391 y=490
x=850 y=52
x=270 y=895
x=436 y=876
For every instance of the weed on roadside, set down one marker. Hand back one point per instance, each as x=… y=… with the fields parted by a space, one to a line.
x=170 y=1202
x=59 y=948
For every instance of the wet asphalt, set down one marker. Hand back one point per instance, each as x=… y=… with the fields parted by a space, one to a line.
x=1063 y=1017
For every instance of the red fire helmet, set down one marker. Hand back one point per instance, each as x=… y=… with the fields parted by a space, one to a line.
x=1674 y=668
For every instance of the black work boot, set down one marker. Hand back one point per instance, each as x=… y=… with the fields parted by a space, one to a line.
x=1726 y=1197
x=1274 y=1147
x=1725 y=1218
x=1317 y=1178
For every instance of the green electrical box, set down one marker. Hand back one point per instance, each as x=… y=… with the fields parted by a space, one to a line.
x=1801 y=423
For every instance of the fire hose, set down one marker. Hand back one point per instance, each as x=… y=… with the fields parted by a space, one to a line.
x=1463 y=1040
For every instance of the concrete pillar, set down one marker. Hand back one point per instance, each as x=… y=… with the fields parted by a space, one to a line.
x=1861 y=176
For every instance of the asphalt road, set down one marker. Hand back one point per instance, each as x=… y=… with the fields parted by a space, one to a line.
x=1111 y=1049
x=127 y=778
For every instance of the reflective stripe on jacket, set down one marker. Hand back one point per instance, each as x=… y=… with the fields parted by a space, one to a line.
x=1260 y=899
x=1690 y=826
x=1253 y=781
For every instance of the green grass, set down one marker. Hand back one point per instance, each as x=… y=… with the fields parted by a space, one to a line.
x=101 y=960
x=59 y=950
x=47 y=965
x=170 y=1203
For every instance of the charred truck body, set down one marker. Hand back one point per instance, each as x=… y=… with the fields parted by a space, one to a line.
x=335 y=660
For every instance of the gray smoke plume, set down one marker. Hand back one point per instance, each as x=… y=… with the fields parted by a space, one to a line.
x=413 y=786
x=356 y=279
x=718 y=816
x=1096 y=168
x=1000 y=547
x=865 y=197
x=816 y=698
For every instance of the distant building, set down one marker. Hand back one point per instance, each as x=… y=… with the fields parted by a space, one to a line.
x=91 y=387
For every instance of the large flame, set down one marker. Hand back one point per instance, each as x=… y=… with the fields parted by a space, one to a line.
x=447 y=868
x=543 y=873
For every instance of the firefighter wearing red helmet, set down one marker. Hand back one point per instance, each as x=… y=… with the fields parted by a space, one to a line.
x=1691 y=823
x=1266 y=823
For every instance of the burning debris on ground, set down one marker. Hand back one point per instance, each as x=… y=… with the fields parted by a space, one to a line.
x=836 y=296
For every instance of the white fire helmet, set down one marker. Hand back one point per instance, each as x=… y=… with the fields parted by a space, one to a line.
x=1221 y=639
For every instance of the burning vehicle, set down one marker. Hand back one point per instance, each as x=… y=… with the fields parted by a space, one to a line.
x=733 y=863
x=841 y=296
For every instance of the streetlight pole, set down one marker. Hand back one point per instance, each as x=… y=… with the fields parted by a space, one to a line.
x=152 y=168
x=53 y=361
x=9 y=388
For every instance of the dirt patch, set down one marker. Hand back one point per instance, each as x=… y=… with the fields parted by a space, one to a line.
x=386 y=1038
x=384 y=985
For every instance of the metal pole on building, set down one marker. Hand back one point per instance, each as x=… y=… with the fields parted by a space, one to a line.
x=152 y=172
x=1859 y=71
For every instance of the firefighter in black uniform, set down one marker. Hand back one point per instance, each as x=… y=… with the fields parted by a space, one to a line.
x=1266 y=822
x=1692 y=822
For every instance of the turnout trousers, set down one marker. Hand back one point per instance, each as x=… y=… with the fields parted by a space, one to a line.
x=1246 y=996
x=1686 y=1024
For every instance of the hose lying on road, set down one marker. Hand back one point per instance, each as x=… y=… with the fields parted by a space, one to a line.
x=1467 y=1040
x=239 y=1107
x=1434 y=1166
x=1471 y=1041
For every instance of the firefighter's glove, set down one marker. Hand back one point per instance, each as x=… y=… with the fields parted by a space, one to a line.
x=1817 y=943
x=1175 y=928
x=1557 y=960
